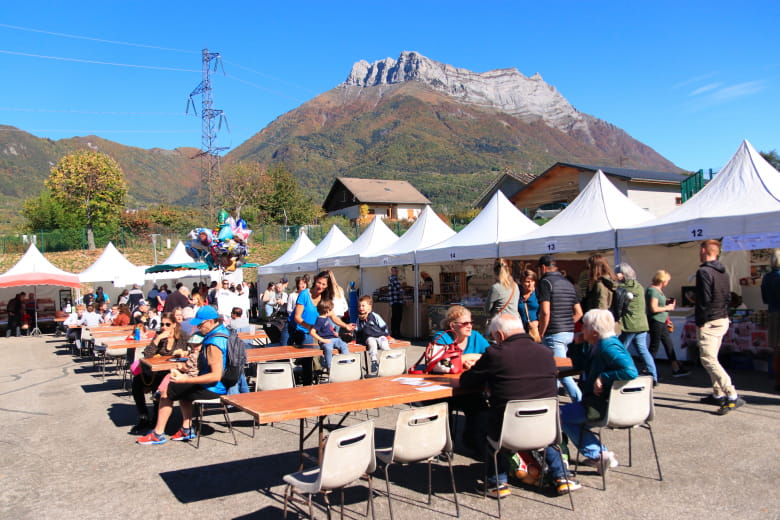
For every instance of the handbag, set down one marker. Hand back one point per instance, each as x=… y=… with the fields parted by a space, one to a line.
x=533 y=332
x=439 y=359
x=135 y=367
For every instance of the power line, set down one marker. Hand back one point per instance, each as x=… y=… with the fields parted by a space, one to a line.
x=95 y=62
x=93 y=112
x=90 y=38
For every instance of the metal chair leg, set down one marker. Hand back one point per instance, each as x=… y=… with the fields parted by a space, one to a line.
x=230 y=425
x=429 y=482
x=655 y=452
x=387 y=483
x=630 y=450
x=454 y=491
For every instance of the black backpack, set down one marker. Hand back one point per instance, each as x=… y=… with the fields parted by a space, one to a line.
x=621 y=299
x=236 y=359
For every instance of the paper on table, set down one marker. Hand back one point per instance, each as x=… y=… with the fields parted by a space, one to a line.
x=431 y=388
x=412 y=381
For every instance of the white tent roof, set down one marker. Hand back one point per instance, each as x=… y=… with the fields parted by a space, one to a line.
x=428 y=230
x=588 y=223
x=301 y=247
x=112 y=266
x=34 y=269
x=178 y=255
x=376 y=237
x=743 y=198
x=333 y=242
x=499 y=221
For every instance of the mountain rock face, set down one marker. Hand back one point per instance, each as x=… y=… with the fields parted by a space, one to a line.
x=506 y=90
x=444 y=129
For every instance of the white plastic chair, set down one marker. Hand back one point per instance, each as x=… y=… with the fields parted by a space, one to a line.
x=421 y=434
x=200 y=404
x=348 y=455
x=529 y=424
x=630 y=406
x=391 y=362
x=345 y=367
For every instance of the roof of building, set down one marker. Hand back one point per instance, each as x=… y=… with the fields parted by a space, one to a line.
x=627 y=173
x=380 y=190
x=520 y=178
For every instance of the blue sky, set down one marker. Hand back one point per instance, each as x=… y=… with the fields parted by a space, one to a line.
x=689 y=79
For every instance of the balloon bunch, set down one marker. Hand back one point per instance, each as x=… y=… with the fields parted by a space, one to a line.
x=224 y=247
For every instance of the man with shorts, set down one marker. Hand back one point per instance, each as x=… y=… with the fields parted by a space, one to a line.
x=186 y=389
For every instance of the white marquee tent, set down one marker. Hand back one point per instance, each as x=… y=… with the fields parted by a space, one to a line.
x=428 y=230
x=301 y=247
x=743 y=198
x=499 y=221
x=375 y=237
x=112 y=266
x=333 y=242
x=587 y=224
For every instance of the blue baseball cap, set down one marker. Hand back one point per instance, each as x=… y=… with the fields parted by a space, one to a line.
x=207 y=312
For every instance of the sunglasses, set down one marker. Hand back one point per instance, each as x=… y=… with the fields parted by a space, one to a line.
x=167 y=324
x=464 y=323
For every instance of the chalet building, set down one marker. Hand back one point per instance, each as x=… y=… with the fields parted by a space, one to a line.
x=397 y=200
x=657 y=192
x=509 y=183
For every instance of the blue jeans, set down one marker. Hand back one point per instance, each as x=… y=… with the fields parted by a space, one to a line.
x=335 y=343
x=559 y=343
x=304 y=340
x=572 y=418
x=241 y=387
x=640 y=340
x=284 y=337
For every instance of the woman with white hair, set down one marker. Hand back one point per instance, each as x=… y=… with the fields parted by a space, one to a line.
x=634 y=324
x=602 y=360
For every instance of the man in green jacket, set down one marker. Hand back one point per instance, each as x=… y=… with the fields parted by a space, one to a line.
x=634 y=324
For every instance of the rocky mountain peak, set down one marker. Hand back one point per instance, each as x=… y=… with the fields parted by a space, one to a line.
x=506 y=90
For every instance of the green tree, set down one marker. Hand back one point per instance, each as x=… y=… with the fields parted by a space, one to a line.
x=772 y=158
x=285 y=197
x=45 y=213
x=91 y=186
x=241 y=185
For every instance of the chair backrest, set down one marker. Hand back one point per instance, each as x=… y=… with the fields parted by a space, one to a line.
x=630 y=403
x=348 y=454
x=421 y=433
x=530 y=424
x=274 y=376
x=345 y=367
x=391 y=362
x=86 y=335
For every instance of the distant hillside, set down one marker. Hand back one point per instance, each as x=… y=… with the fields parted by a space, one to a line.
x=446 y=130
x=153 y=176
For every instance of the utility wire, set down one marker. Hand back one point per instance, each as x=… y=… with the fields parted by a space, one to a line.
x=90 y=38
x=95 y=62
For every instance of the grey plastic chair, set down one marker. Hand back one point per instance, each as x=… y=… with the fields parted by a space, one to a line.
x=200 y=405
x=421 y=434
x=529 y=424
x=345 y=367
x=274 y=376
x=630 y=406
x=348 y=455
x=391 y=362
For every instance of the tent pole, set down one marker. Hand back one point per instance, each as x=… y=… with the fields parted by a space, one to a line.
x=416 y=305
x=617 y=250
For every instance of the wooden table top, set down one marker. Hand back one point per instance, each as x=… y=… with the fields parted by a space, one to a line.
x=320 y=400
x=331 y=398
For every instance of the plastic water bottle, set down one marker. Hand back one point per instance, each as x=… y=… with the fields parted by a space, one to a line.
x=137 y=334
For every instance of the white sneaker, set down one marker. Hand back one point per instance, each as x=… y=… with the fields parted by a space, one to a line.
x=613 y=462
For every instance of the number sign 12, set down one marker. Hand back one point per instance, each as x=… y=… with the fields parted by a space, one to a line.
x=696 y=232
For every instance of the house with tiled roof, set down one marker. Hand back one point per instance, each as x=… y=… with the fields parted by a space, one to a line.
x=657 y=192
x=397 y=200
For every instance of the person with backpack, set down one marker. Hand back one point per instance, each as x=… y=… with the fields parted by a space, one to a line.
x=210 y=383
x=634 y=321
x=602 y=284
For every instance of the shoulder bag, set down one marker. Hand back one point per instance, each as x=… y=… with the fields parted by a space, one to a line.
x=439 y=359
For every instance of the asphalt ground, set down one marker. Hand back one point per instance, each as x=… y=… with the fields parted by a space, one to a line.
x=66 y=452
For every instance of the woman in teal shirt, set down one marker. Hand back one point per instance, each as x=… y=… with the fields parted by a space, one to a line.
x=458 y=320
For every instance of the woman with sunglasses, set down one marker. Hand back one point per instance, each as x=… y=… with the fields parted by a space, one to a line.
x=170 y=338
x=473 y=345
